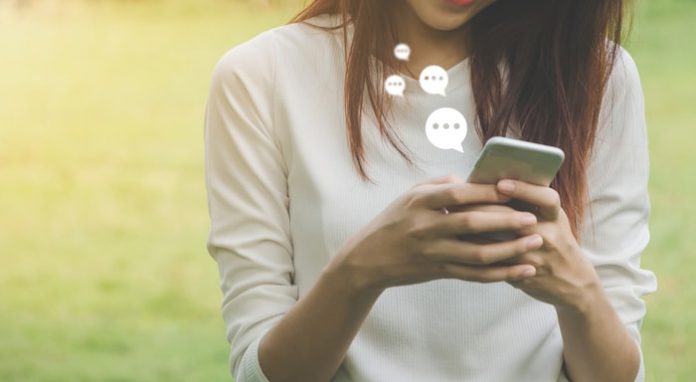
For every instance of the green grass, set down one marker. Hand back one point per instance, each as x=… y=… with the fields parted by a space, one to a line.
x=103 y=220
x=664 y=50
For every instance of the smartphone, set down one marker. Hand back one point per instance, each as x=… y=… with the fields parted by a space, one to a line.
x=508 y=158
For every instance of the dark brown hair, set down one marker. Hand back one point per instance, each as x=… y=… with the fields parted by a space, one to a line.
x=557 y=56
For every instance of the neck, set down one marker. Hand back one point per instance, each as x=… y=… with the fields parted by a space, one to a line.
x=429 y=46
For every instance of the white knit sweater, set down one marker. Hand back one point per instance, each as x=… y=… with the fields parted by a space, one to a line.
x=284 y=196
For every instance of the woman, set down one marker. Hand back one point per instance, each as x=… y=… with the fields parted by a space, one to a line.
x=337 y=257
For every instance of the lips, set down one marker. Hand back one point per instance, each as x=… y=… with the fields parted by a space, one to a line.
x=461 y=3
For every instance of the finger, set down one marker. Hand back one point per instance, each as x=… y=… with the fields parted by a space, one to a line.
x=449 y=178
x=488 y=274
x=473 y=222
x=463 y=252
x=438 y=196
x=484 y=207
x=546 y=198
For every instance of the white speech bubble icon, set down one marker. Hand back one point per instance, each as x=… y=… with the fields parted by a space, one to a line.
x=402 y=52
x=395 y=85
x=446 y=129
x=434 y=79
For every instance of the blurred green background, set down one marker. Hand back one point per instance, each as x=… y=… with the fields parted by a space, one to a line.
x=104 y=274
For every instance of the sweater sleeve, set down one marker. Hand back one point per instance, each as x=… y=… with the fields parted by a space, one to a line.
x=616 y=230
x=246 y=181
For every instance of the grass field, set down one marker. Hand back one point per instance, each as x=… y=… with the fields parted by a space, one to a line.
x=103 y=218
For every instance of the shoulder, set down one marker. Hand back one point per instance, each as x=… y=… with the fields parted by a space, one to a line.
x=621 y=129
x=624 y=78
x=258 y=58
x=622 y=103
x=249 y=62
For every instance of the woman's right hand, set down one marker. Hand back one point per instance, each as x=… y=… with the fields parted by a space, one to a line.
x=413 y=240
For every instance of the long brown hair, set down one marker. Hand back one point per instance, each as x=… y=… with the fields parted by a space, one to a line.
x=557 y=58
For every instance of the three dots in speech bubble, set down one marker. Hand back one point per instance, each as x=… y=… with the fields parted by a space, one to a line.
x=433 y=79
x=445 y=128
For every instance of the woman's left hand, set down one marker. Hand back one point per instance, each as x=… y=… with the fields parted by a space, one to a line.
x=564 y=278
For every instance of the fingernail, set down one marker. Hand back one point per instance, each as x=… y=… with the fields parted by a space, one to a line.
x=528 y=272
x=534 y=242
x=528 y=219
x=506 y=185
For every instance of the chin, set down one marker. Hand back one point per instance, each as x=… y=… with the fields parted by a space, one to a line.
x=446 y=22
x=446 y=15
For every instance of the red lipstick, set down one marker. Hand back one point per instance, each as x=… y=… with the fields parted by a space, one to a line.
x=461 y=3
